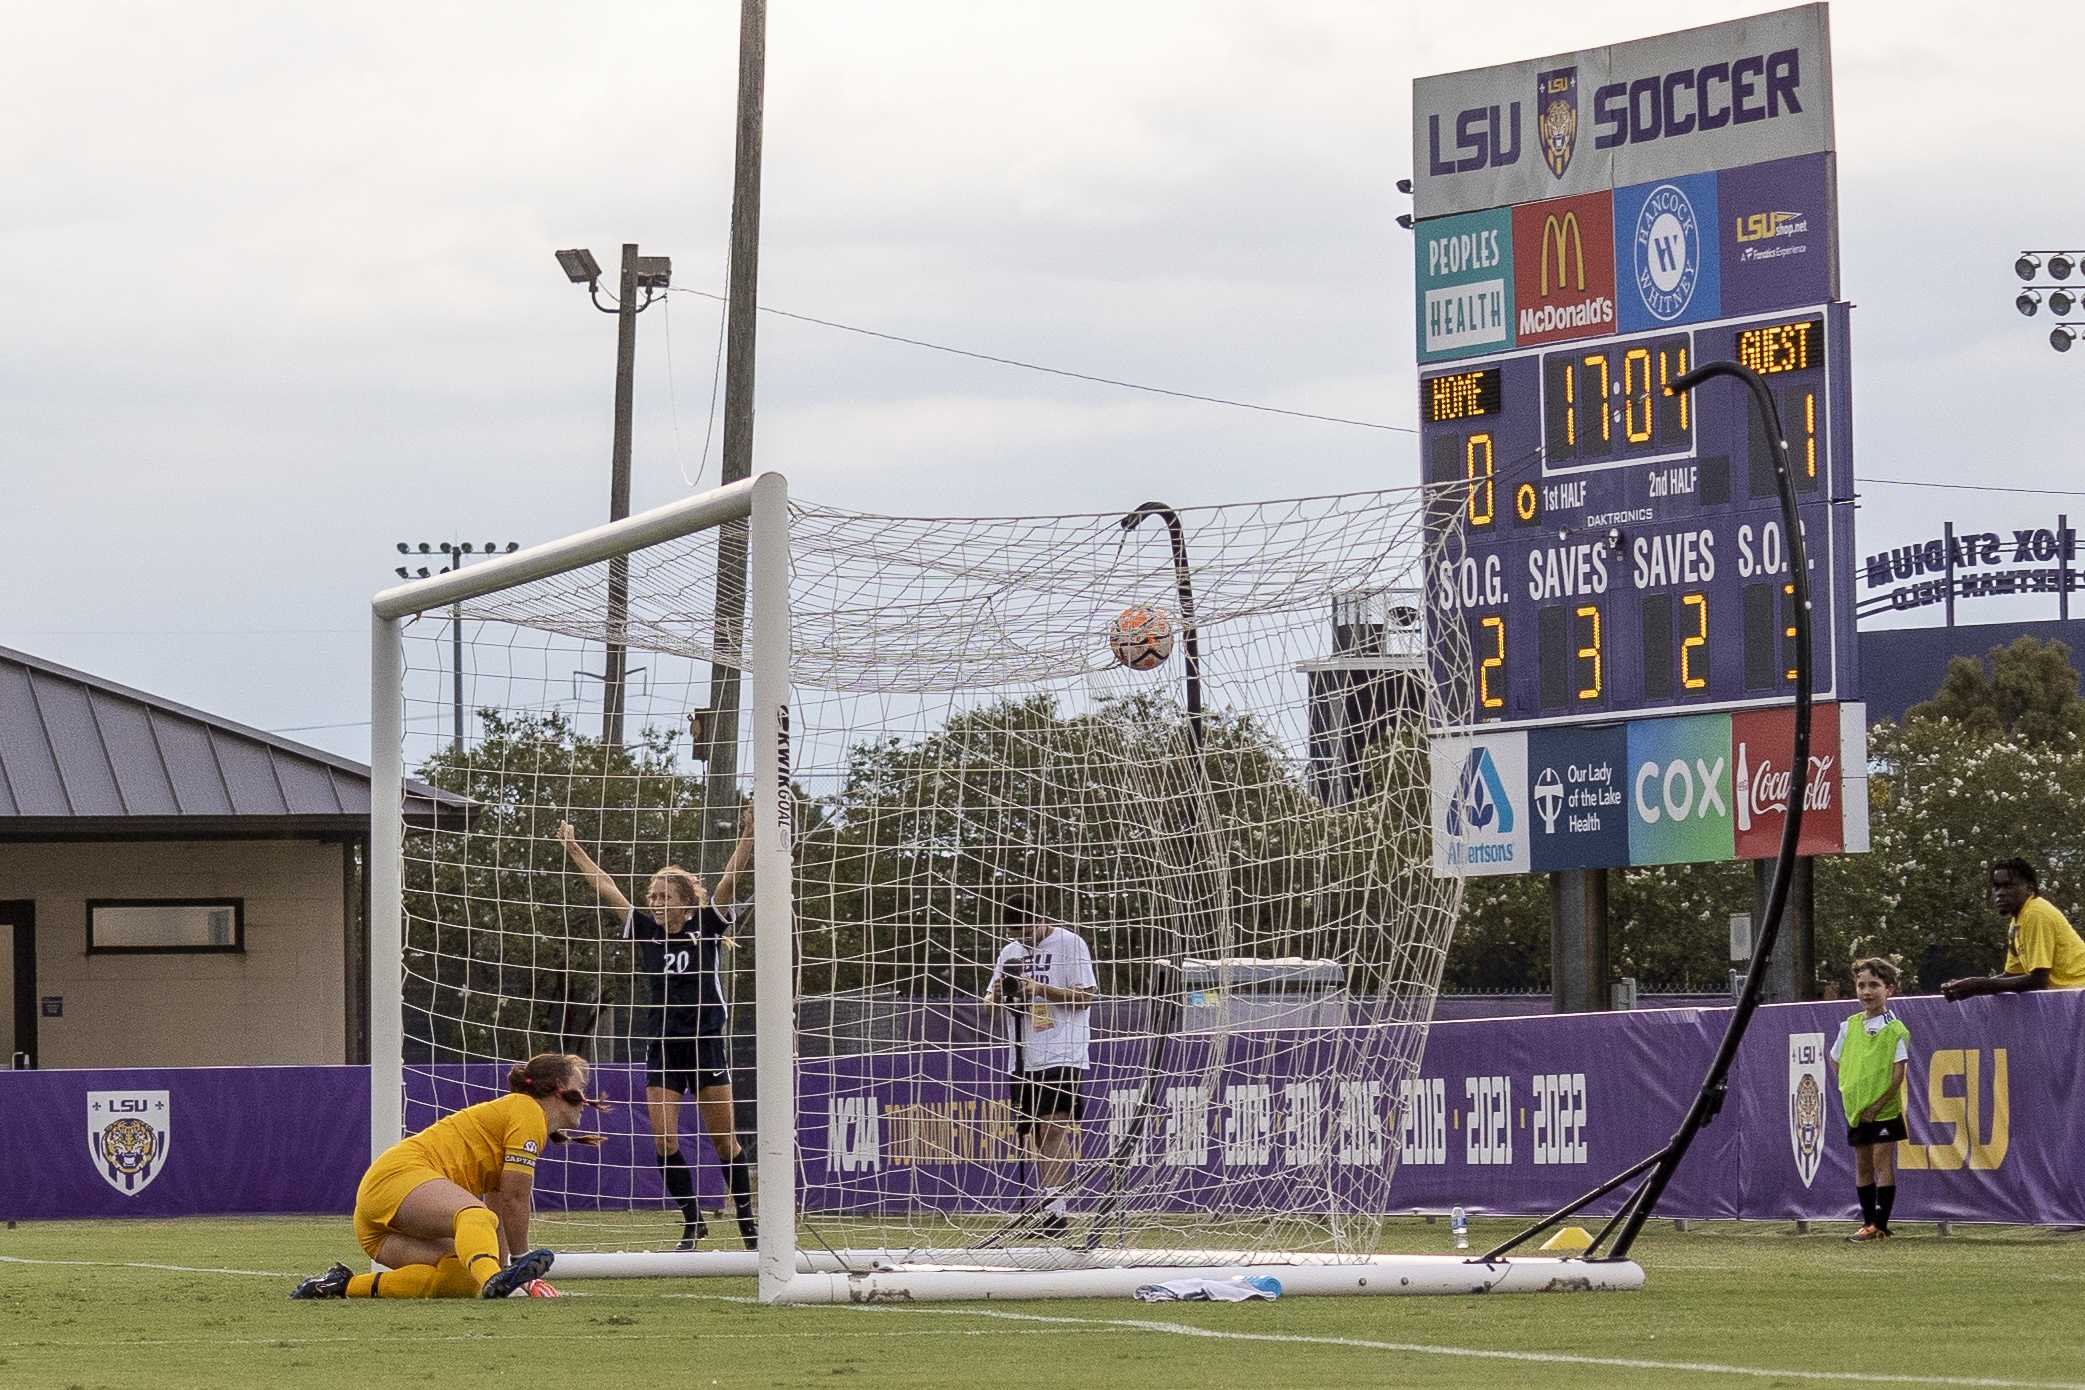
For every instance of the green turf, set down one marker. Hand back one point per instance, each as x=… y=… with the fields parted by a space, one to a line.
x=1726 y=1305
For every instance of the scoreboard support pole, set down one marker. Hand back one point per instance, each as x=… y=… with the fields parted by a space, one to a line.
x=1791 y=971
x=1578 y=959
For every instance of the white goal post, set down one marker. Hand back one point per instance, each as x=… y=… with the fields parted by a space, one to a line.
x=936 y=729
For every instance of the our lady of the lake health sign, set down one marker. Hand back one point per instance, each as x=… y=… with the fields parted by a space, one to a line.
x=1592 y=226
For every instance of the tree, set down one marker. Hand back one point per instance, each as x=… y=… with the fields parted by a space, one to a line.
x=2029 y=692
x=505 y=952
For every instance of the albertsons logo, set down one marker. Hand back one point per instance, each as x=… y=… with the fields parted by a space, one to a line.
x=1481 y=806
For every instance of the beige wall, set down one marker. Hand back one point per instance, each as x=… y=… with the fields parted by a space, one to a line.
x=280 y=1002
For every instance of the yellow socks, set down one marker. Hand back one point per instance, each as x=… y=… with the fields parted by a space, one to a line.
x=478 y=1244
x=444 y=1280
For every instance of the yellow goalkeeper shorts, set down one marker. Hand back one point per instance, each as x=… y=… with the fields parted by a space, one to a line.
x=389 y=1181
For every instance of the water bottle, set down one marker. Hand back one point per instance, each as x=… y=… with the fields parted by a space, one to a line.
x=1459 y=1227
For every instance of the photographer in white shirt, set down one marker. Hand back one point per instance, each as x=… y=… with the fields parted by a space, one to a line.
x=1044 y=980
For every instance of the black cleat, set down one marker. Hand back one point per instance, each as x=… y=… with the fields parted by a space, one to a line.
x=332 y=1284
x=526 y=1269
x=748 y=1229
x=693 y=1231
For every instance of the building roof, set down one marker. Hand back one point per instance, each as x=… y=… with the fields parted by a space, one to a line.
x=81 y=754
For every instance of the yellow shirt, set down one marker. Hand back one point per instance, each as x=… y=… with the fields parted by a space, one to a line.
x=2043 y=939
x=472 y=1147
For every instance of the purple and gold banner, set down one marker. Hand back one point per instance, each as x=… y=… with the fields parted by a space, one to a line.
x=1505 y=1115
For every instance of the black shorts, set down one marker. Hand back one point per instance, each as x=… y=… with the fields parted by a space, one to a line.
x=1052 y=1094
x=1877 y=1132
x=687 y=1064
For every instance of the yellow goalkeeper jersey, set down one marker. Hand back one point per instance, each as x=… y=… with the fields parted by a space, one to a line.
x=472 y=1147
x=2043 y=940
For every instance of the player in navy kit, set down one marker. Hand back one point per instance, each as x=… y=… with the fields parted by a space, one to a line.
x=681 y=933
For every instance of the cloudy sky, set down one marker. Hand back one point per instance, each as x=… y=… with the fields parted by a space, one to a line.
x=280 y=288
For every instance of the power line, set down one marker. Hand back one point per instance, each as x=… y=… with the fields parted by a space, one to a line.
x=1063 y=372
x=1969 y=487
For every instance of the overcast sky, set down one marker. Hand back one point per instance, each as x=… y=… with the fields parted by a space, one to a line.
x=279 y=284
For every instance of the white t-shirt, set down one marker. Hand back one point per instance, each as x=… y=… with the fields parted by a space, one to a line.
x=1062 y=1036
x=1871 y=1025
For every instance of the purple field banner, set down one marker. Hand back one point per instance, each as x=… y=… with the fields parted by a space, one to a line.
x=181 y=1141
x=1514 y=1115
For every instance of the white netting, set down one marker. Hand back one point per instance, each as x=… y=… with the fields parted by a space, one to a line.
x=1252 y=875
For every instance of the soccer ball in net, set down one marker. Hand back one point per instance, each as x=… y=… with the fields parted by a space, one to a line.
x=1141 y=638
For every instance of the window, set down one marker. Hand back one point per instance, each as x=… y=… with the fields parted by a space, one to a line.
x=166 y=924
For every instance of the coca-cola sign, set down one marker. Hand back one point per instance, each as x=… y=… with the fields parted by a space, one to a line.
x=1761 y=780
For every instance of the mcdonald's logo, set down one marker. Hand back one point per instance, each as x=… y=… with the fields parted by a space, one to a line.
x=1569 y=240
x=1563 y=272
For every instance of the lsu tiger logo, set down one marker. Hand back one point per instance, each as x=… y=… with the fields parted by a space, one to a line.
x=128 y=1137
x=1556 y=117
x=1806 y=1102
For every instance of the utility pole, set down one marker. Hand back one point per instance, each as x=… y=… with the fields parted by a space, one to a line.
x=652 y=275
x=456 y=552
x=720 y=787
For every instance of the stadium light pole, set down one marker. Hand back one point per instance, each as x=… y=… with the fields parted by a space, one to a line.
x=456 y=553
x=652 y=275
x=2063 y=294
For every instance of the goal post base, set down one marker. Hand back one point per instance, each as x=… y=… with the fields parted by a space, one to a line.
x=878 y=1276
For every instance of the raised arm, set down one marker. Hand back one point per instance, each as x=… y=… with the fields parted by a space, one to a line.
x=741 y=855
x=603 y=886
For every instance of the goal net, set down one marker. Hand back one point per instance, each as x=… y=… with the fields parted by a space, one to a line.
x=935 y=739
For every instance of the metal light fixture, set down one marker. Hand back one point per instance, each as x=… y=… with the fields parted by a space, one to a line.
x=653 y=272
x=2025 y=267
x=580 y=266
x=2028 y=301
x=2061 y=302
x=2060 y=265
x=1404 y=220
x=1404 y=185
x=2060 y=338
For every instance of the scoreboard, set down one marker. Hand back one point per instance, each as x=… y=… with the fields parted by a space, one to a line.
x=1613 y=549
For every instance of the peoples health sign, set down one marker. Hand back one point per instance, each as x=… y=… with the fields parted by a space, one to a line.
x=1693 y=789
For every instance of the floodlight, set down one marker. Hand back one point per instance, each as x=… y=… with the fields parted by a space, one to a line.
x=513 y=546
x=1404 y=220
x=1404 y=185
x=401 y=569
x=425 y=547
x=2028 y=301
x=580 y=266
x=403 y=548
x=653 y=272
x=2060 y=338
x=2061 y=302
x=2060 y=265
x=2027 y=265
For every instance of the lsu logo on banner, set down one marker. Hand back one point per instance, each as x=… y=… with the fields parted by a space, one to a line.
x=1556 y=117
x=128 y=1137
x=1806 y=1102
x=1563 y=276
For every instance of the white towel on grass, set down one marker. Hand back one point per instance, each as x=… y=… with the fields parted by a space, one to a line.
x=1237 y=1290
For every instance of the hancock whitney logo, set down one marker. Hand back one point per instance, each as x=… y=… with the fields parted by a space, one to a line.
x=1668 y=252
x=1806 y=1102
x=128 y=1137
x=1556 y=117
x=1480 y=806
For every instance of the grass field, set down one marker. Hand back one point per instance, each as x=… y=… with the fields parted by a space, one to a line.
x=179 y=1303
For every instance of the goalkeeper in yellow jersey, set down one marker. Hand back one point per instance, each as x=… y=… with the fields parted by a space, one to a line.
x=445 y=1209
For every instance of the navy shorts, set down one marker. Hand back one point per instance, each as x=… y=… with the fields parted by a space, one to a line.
x=1877 y=1132
x=687 y=1064
x=1052 y=1094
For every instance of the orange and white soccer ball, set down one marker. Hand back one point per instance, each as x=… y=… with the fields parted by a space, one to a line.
x=1141 y=638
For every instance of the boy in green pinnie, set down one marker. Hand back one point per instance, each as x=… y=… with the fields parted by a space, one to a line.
x=1872 y=1054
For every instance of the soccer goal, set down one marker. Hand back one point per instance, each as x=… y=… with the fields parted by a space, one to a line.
x=1194 y=740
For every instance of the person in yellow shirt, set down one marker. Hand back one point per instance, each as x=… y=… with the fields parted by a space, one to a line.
x=2042 y=951
x=443 y=1209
